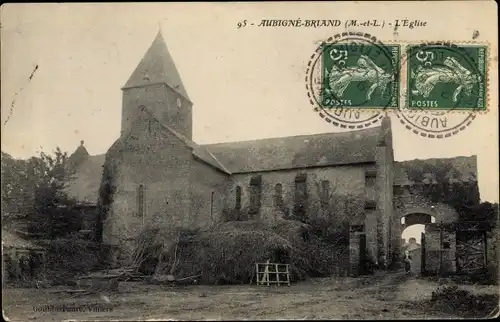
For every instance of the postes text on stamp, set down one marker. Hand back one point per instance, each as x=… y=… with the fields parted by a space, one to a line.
x=446 y=77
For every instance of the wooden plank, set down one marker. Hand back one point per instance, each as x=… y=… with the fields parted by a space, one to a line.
x=263 y=276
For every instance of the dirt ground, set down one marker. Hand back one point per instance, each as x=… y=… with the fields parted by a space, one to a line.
x=383 y=296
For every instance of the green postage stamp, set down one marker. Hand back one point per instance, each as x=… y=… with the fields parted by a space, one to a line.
x=438 y=76
x=360 y=75
x=447 y=77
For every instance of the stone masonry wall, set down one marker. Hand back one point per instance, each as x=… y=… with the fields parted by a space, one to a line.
x=434 y=247
x=207 y=193
x=162 y=164
x=162 y=102
x=342 y=180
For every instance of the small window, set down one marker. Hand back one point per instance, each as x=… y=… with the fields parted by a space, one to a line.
x=300 y=195
x=301 y=177
x=256 y=180
x=238 y=197
x=370 y=205
x=140 y=200
x=278 y=195
x=306 y=236
x=325 y=192
x=255 y=194
x=357 y=228
x=212 y=207
x=446 y=245
x=370 y=174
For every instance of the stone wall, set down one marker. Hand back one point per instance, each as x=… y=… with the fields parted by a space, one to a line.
x=343 y=181
x=407 y=201
x=162 y=164
x=160 y=100
x=384 y=184
x=207 y=191
x=355 y=234
x=440 y=247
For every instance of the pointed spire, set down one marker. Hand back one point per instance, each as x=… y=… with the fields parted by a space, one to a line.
x=156 y=67
x=80 y=155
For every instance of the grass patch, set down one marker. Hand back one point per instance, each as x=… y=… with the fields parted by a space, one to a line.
x=452 y=299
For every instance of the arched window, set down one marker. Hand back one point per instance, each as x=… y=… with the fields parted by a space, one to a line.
x=238 y=197
x=140 y=201
x=212 y=206
x=278 y=195
x=300 y=194
x=325 y=193
x=255 y=194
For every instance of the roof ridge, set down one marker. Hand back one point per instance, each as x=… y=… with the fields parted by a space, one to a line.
x=437 y=158
x=374 y=129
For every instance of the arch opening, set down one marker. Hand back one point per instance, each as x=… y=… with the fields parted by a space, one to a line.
x=413 y=225
x=412 y=235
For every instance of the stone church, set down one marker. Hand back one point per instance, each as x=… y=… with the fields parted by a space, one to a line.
x=163 y=178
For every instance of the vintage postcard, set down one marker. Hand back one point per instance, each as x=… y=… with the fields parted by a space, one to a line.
x=241 y=161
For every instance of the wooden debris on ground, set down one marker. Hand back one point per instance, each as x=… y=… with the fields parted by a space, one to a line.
x=172 y=280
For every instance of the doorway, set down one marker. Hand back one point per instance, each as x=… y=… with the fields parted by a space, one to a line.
x=412 y=239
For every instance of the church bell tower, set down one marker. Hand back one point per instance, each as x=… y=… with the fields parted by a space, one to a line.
x=156 y=85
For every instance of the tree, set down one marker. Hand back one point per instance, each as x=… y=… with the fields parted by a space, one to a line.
x=33 y=193
x=444 y=185
x=331 y=214
x=485 y=211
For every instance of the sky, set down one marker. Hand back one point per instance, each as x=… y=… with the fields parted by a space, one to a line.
x=245 y=83
x=413 y=231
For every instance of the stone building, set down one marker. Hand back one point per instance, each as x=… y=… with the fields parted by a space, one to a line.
x=163 y=178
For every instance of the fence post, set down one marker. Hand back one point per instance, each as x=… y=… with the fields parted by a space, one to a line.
x=422 y=268
x=441 y=249
x=288 y=274
x=277 y=274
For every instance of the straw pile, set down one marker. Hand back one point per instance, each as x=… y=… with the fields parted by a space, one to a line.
x=227 y=254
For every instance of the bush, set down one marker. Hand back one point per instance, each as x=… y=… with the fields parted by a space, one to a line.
x=326 y=259
x=68 y=257
x=493 y=258
x=455 y=300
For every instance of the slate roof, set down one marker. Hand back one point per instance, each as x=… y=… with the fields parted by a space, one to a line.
x=302 y=151
x=464 y=169
x=157 y=67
